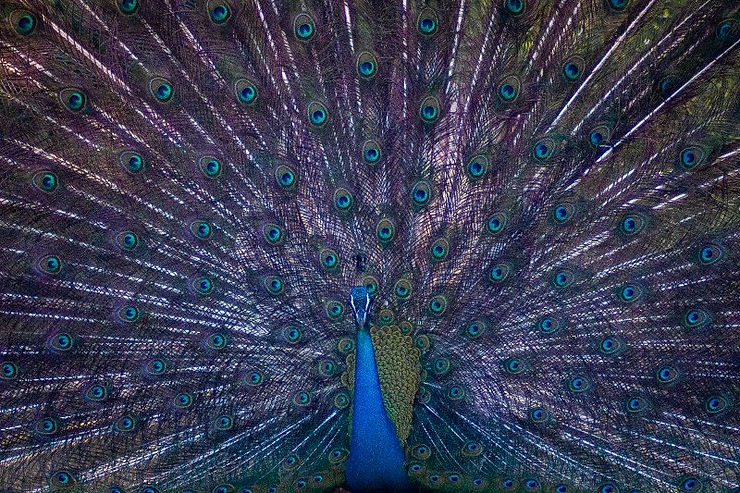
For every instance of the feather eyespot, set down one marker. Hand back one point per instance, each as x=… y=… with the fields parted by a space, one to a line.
x=563 y=278
x=341 y=400
x=508 y=89
x=499 y=272
x=429 y=109
x=440 y=250
x=302 y=398
x=223 y=488
x=23 y=21
x=183 y=400
x=47 y=426
x=127 y=240
x=710 y=254
x=345 y=345
x=515 y=7
x=125 y=423
x=8 y=370
x=246 y=92
x=422 y=342
x=255 y=378
x=371 y=152
x=304 y=27
x=292 y=334
x=637 y=405
x=329 y=259
x=696 y=318
x=475 y=329
x=327 y=368
x=217 y=341
x=691 y=484
x=691 y=157
x=610 y=346
x=630 y=293
x=632 y=224
x=607 y=488
x=548 y=325
x=472 y=449
x=273 y=284
x=61 y=342
x=156 y=367
x=421 y=452
x=727 y=29
x=128 y=7
x=75 y=100
x=515 y=366
x=63 y=479
x=161 y=89
x=285 y=177
x=543 y=149
x=421 y=193
x=210 y=166
x=477 y=166
x=273 y=234
x=599 y=135
x=531 y=485
x=367 y=65
x=442 y=366
x=343 y=199
x=402 y=289
x=201 y=229
x=334 y=309
x=385 y=231
x=564 y=212
x=428 y=22
x=219 y=12
x=579 y=384
x=371 y=284
x=317 y=114
x=539 y=415
x=438 y=305
x=573 y=68
x=455 y=393
x=338 y=455
x=50 y=264
x=716 y=404
x=496 y=222
x=132 y=162
x=666 y=374
x=46 y=181
x=129 y=313
x=203 y=286
x=96 y=393
x=224 y=423
x=508 y=484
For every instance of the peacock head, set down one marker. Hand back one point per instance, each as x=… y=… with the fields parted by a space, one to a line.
x=360 y=301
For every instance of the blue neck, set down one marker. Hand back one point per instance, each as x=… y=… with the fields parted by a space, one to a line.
x=376 y=457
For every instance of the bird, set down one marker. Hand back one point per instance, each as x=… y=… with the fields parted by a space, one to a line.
x=369 y=245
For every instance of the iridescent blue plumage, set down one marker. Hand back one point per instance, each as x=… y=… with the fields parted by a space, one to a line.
x=532 y=205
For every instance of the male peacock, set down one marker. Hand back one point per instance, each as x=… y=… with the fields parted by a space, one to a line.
x=297 y=245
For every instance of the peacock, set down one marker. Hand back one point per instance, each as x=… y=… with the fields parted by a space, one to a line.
x=369 y=246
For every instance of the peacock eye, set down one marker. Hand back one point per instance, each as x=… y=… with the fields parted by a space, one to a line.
x=508 y=89
x=304 y=27
x=46 y=181
x=219 y=12
x=343 y=199
x=128 y=7
x=428 y=22
x=429 y=109
x=161 y=89
x=367 y=65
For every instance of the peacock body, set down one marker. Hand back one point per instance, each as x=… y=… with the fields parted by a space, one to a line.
x=282 y=245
